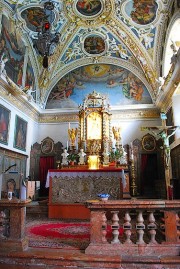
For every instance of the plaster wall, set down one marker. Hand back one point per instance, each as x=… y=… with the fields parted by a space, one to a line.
x=131 y=129
x=32 y=130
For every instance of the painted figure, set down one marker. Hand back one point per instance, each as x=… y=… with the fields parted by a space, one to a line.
x=3 y=127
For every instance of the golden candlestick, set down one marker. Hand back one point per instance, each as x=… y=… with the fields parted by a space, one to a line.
x=133 y=180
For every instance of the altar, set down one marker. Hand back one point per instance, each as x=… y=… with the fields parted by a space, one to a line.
x=70 y=188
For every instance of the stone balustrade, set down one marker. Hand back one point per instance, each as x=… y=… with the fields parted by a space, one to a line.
x=134 y=227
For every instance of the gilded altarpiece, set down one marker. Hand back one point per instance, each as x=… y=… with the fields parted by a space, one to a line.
x=95 y=124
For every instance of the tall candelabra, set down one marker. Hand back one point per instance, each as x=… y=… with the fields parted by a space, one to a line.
x=133 y=186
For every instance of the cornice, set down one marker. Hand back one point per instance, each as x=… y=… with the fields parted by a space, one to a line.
x=132 y=114
x=17 y=98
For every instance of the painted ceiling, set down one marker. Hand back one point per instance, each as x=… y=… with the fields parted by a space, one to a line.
x=112 y=47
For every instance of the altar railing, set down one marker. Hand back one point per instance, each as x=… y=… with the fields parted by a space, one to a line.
x=134 y=227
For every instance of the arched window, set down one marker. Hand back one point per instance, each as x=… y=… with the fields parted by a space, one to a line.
x=173 y=42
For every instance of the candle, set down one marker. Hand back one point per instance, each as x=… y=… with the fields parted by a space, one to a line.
x=69 y=125
x=76 y=145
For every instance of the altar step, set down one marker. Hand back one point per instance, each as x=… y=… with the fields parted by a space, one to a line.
x=37 y=209
x=48 y=258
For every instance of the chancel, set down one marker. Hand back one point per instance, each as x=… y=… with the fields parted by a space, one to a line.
x=89 y=134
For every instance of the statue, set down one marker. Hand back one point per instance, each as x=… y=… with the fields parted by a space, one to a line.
x=82 y=155
x=72 y=135
x=65 y=157
x=117 y=134
x=95 y=147
x=165 y=137
x=105 y=157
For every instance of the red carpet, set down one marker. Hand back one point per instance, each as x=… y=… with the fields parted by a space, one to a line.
x=49 y=234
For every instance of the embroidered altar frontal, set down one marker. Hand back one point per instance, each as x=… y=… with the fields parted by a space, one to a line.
x=80 y=186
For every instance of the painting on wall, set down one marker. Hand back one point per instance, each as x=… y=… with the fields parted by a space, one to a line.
x=119 y=85
x=12 y=51
x=4 y=124
x=34 y=17
x=89 y=8
x=30 y=87
x=20 y=134
x=141 y=11
x=94 y=44
x=11 y=183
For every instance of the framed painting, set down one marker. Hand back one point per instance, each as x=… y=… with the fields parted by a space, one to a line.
x=4 y=124
x=148 y=142
x=47 y=145
x=20 y=133
x=11 y=182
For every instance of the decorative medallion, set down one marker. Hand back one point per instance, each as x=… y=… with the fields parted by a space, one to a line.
x=94 y=44
x=34 y=17
x=141 y=12
x=89 y=8
x=47 y=145
x=148 y=142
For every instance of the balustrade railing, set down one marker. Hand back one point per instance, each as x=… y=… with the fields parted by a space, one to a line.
x=134 y=227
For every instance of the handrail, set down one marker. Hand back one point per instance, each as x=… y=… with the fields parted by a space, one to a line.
x=134 y=226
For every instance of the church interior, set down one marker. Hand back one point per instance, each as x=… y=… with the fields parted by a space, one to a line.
x=90 y=133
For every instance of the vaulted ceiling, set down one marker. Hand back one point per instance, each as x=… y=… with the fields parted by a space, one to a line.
x=114 y=47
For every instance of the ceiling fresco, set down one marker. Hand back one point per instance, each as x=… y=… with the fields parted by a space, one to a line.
x=119 y=86
x=111 y=46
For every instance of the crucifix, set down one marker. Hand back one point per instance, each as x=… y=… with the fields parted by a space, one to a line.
x=162 y=132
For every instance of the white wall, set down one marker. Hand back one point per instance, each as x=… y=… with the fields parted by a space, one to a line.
x=32 y=131
x=131 y=129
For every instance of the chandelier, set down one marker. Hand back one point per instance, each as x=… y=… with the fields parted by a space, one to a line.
x=46 y=41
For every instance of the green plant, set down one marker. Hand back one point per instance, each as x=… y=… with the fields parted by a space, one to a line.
x=115 y=155
x=72 y=157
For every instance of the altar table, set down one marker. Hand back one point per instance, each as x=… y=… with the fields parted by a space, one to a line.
x=70 y=188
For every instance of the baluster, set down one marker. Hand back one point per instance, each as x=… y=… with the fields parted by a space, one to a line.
x=127 y=227
x=178 y=226
x=115 y=227
x=104 y=227
x=152 y=228
x=2 y=231
x=140 y=228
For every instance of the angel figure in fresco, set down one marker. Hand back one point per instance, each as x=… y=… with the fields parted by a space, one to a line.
x=72 y=135
x=88 y=5
x=3 y=61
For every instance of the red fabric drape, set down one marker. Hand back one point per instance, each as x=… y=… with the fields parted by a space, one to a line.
x=144 y=158
x=45 y=164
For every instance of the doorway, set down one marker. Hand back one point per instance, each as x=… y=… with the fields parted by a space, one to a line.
x=149 y=175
